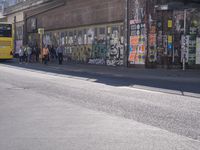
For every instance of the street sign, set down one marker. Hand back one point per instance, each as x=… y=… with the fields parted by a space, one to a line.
x=41 y=31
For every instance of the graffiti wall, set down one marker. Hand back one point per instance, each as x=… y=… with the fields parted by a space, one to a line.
x=115 y=53
x=99 y=45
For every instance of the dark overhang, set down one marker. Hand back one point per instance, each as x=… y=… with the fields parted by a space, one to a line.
x=178 y=5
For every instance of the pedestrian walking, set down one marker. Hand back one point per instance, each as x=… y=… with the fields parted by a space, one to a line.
x=25 y=54
x=60 y=50
x=45 y=52
x=29 y=52
x=34 y=54
x=52 y=53
x=21 y=55
x=37 y=53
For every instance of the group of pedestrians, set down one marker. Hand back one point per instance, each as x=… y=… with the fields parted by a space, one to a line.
x=49 y=52
x=30 y=54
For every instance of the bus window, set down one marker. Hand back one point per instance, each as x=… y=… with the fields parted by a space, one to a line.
x=5 y=30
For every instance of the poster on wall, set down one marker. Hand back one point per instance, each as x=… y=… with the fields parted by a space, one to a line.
x=137 y=50
x=170 y=45
x=192 y=50
x=137 y=43
x=152 y=55
x=192 y=46
x=198 y=51
x=185 y=47
x=152 y=48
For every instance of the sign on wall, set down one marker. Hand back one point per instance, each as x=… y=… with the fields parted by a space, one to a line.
x=198 y=51
x=185 y=40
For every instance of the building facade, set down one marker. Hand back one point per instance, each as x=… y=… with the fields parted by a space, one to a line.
x=163 y=33
x=92 y=31
x=14 y=13
x=160 y=33
x=2 y=6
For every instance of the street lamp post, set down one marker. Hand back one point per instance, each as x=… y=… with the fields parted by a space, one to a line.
x=184 y=51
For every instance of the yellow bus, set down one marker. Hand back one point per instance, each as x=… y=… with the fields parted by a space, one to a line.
x=6 y=41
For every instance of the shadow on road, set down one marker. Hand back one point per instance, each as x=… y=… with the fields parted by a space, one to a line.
x=179 y=87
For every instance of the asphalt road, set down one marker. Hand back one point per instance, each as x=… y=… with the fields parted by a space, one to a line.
x=42 y=110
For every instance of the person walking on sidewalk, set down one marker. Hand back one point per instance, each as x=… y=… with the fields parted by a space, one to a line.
x=29 y=51
x=37 y=53
x=25 y=54
x=60 y=50
x=21 y=55
x=45 y=52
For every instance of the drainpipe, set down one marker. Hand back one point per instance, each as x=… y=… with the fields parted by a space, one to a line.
x=126 y=20
x=147 y=36
x=15 y=35
x=184 y=52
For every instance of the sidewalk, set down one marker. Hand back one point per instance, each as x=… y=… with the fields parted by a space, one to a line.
x=178 y=82
x=136 y=73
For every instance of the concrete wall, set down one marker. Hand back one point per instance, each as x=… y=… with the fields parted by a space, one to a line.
x=76 y=13
x=19 y=17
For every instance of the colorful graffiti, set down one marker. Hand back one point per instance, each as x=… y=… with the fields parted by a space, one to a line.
x=94 y=45
x=81 y=53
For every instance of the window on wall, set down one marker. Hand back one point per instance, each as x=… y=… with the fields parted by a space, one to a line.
x=54 y=39
x=70 y=36
x=59 y=38
x=85 y=36
x=75 y=38
x=102 y=30
x=90 y=35
x=46 y=39
x=122 y=34
x=56 y=36
x=80 y=37
x=109 y=30
x=115 y=32
x=95 y=32
x=66 y=38
x=62 y=38
x=114 y=35
x=102 y=35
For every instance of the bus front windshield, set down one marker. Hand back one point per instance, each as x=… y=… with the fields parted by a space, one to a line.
x=5 y=30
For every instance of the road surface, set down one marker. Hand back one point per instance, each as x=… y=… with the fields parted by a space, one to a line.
x=49 y=111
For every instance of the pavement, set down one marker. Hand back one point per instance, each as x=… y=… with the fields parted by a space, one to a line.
x=173 y=81
x=42 y=110
x=164 y=74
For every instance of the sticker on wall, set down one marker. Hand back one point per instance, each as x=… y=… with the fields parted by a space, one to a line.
x=169 y=23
